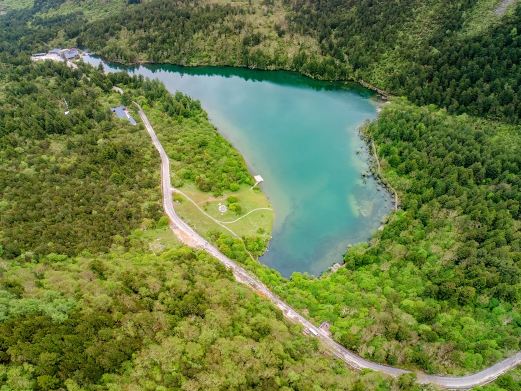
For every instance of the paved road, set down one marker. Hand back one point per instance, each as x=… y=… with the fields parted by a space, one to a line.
x=187 y=235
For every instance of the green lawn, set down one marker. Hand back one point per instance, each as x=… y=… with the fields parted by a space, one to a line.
x=258 y=223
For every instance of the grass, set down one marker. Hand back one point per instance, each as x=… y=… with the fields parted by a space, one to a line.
x=258 y=223
x=159 y=239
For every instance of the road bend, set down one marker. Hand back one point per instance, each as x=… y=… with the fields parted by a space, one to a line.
x=191 y=238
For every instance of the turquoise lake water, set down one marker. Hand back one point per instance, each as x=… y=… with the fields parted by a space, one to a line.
x=302 y=136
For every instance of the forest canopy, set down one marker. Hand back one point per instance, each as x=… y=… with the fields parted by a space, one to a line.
x=437 y=289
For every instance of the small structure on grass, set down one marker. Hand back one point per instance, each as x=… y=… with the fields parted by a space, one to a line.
x=222 y=208
x=258 y=179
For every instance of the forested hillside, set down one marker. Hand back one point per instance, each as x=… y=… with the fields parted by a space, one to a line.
x=425 y=50
x=64 y=176
x=75 y=314
x=176 y=321
x=250 y=34
x=437 y=289
x=463 y=55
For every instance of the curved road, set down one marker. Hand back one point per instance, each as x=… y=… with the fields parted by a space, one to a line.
x=191 y=238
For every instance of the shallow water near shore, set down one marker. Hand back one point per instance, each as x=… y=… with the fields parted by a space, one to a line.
x=302 y=136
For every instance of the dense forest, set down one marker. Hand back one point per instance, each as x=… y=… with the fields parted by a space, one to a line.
x=194 y=33
x=421 y=51
x=137 y=320
x=432 y=53
x=64 y=176
x=454 y=54
x=437 y=289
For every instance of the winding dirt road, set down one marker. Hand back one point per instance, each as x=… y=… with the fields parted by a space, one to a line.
x=191 y=238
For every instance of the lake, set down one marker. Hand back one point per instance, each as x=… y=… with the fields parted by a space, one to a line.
x=301 y=136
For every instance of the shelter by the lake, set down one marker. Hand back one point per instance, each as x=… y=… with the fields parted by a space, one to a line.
x=258 y=179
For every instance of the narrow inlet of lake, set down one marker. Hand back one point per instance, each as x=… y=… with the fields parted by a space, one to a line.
x=302 y=136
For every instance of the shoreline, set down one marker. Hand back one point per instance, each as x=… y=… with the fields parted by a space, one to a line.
x=376 y=173
x=377 y=100
x=189 y=237
x=382 y=95
x=375 y=166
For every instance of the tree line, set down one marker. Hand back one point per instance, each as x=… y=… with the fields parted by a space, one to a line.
x=418 y=50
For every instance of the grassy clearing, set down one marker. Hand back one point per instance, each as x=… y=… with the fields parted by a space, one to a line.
x=158 y=239
x=258 y=223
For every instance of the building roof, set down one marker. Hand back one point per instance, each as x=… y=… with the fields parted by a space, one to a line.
x=70 y=53
x=122 y=112
x=48 y=56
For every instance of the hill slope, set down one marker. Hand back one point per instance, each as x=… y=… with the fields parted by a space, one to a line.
x=95 y=293
x=439 y=287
